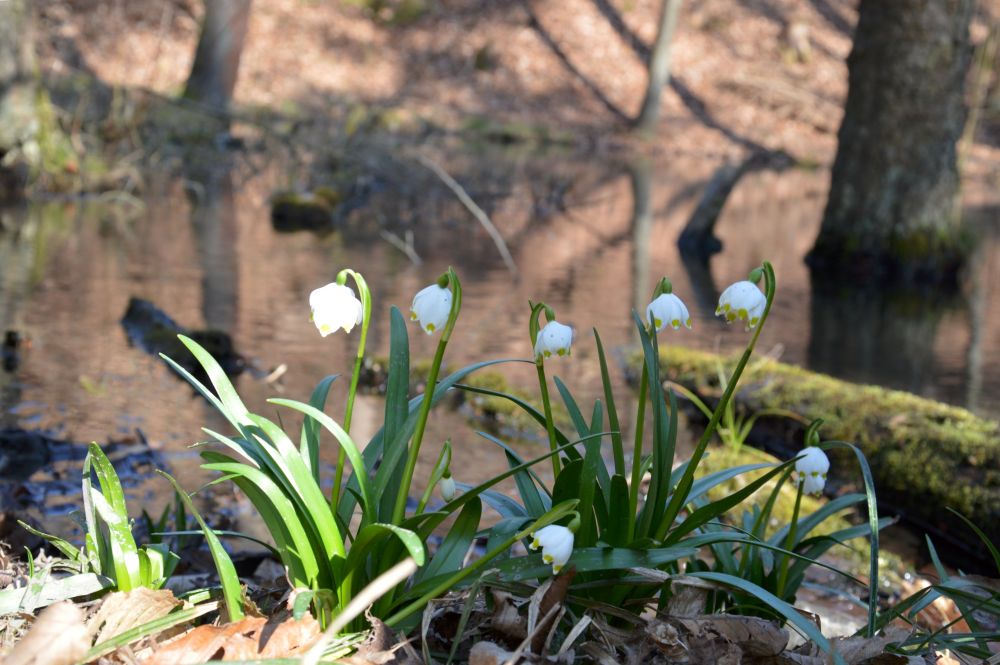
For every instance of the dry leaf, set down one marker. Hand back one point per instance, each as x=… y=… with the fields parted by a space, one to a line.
x=58 y=637
x=251 y=638
x=123 y=610
x=487 y=653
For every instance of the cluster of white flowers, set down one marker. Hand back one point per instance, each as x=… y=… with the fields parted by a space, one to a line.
x=811 y=467
x=556 y=543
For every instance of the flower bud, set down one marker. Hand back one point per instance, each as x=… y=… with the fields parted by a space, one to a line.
x=447 y=488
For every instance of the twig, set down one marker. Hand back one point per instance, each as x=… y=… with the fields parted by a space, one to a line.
x=405 y=246
x=476 y=211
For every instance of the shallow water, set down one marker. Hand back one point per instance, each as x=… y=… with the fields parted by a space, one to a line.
x=204 y=250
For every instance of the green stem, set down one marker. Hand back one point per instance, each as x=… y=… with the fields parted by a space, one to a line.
x=684 y=485
x=550 y=426
x=399 y=510
x=640 y=424
x=789 y=543
x=366 y=307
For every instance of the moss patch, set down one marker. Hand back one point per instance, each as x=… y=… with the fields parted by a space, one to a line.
x=925 y=456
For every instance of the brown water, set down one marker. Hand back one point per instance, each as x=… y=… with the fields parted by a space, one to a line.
x=580 y=238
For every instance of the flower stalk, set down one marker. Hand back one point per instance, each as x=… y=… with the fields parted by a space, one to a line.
x=449 y=280
x=534 y=331
x=366 y=306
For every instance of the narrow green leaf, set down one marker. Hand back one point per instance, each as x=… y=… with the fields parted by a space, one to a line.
x=232 y=592
x=451 y=552
x=609 y=400
x=309 y=439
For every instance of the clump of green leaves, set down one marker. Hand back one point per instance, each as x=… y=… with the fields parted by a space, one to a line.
x=109 y=549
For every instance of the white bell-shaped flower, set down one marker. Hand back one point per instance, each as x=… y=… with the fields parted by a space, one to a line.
x=431 y=307
x=744 y=301
x=335 y=306
x=556 y=543
x=811 y=467
x=554 y=338
x=447 y=488
x=667 y=310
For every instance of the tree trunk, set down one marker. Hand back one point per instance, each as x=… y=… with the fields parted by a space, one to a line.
x=217 y=60
x=892 y=213
x=18 y=124
x=659 y=66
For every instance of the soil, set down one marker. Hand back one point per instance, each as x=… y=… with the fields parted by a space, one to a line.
x=747 y=74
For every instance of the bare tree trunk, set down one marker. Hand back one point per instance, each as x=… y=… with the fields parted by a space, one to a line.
x=18 y=124
x=659 y=66
x=217 y=60
x=893 y=206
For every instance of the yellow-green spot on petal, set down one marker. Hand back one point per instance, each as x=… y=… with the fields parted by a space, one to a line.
x=547 y=353
x=547 y=558
x=561 y=352
x=743 y=313
x=657 y=322
x=430 y=327
x=726 y=307
x=325 y=328
x=413 y=315
x=688 y=323
x=556 y=569
x=730 y=316
x=676 y=323
x=754 y=321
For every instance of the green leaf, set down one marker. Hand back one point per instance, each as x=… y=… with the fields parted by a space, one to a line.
x=232 y=592
x=609 y=399
x=147 y=629
x=111 y=509
x=309 y=439
x=451 y=552
x=68 y=550
x=234 y=407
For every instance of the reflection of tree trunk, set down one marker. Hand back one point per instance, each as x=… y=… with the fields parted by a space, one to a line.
x=217 y=60
x=659 y=66
x=875 y=335
x=640 y=176
x=213 y=217
x=892 y=206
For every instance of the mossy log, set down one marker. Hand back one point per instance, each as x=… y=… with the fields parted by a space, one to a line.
x=925 y=456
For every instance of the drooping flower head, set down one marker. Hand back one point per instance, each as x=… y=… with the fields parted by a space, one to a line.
x=447 y=487
x=667 y=310
x=431 y=307
x=554 y=339
x=556 y=543
x=335 y=306
x=811 y=467
x=744 y=301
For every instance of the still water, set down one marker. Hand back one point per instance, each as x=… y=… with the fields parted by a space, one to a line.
x=589 y=238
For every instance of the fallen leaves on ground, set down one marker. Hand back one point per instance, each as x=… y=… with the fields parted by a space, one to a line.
x=251 y=638
x=125 y=610
x=58 y=637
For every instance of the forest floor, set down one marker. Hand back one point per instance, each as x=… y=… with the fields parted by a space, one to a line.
x=748 y=75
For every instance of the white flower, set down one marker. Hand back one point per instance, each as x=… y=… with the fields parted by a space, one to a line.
x=447 y=488
x=335 y=306
x=556 y=543
x=742 y=300
x=553 y=338
x=811 y=467
x=667 y=310
x=431 y=307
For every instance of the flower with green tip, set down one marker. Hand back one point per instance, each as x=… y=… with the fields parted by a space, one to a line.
x=431 y=307
x=667 y=310
x=447 y=488
x=556 y=543
x=744 y=301
x=811 y=467
x=335 y=306
x=554 y=339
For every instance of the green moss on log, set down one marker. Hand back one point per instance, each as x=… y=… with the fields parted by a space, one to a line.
x=925 y=456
